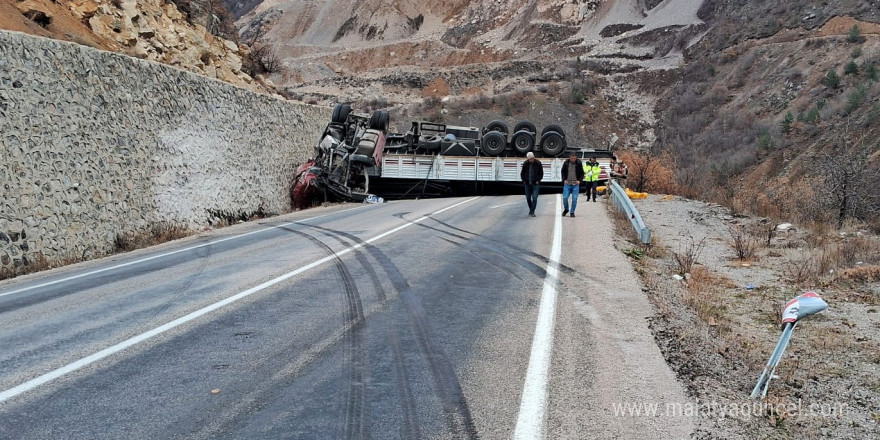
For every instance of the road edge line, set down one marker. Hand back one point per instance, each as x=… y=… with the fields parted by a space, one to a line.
x=533 y=403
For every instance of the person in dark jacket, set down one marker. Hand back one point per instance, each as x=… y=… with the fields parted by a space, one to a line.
x=531 y=174
x=572 y=175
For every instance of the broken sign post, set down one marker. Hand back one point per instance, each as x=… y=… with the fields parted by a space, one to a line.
x=795 y=310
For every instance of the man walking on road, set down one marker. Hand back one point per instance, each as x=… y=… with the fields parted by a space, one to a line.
x=592 y=171
x=531 y=174
x=572 y=174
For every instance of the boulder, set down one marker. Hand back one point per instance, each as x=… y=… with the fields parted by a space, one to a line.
x=84 y=9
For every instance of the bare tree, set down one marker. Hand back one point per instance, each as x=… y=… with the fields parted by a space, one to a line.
x=650 y=170
x=262 y=57
x=850 y=180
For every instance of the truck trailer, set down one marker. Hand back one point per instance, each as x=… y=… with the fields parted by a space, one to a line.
x=356 y=155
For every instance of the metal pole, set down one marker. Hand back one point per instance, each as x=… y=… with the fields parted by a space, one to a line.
x=798 y=308
x=764 y=381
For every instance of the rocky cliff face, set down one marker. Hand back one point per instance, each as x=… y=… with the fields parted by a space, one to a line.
x=149 y=29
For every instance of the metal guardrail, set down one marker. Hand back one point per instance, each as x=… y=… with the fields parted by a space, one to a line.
x=623 y=203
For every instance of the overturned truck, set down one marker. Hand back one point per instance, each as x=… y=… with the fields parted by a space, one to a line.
x=355 y=152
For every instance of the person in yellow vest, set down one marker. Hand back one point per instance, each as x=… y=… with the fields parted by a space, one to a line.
x=591 y=176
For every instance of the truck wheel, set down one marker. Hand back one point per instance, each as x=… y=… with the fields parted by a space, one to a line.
x=340 y=113
x=553 y=127
x=525 y=125
x=384 y=119
x=379 y=120
x=493 y=143
x=499 y=126
x=552 y=143
x=523 y=141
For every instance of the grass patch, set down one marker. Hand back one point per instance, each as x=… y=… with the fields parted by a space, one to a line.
x=685 y=258
x=158 y=234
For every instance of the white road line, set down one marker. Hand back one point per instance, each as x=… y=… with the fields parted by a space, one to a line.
x=533 y=406
x=142 y=260
x=506 y=204
x=73 y=366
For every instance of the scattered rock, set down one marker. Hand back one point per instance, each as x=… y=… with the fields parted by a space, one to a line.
x=784 y=227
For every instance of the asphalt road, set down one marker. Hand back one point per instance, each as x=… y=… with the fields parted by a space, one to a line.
x=447 y=318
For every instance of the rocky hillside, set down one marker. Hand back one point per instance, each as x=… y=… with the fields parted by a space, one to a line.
x=551 y=61
x=727 y=89
x=150 y=29
x=779 y=115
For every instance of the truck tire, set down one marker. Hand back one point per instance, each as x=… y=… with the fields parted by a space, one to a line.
x=525 y=125
x=431 y=143
x=493 y=143
x=553 y=127
x=379 y=120
x=523 y=141
x=340 y=113
x=385 y=119
x=498 y=126
x=552 y=144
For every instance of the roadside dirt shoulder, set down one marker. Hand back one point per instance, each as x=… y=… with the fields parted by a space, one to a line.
x=627 y=385
x=717 y=319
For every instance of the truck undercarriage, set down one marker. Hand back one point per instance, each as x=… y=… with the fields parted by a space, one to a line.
x=351 y=149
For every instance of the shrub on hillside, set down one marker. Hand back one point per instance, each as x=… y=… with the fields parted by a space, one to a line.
x=650 y=172
x=812 y=116
x=785 y=125
x=871 y=72
x=851 y=68
x=262 y=59
x=855 y=99
x=765 y=141
x=855 y=35
x=742 y=241
x=831 y=79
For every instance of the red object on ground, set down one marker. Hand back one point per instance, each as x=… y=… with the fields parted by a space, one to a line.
x=302 y=192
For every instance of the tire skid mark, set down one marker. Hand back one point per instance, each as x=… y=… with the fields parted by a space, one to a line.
x=538 y=271
x=254 y=401
x=354 y=353
x=543 y=259
x=410 y=428
x=455 y=406
x=348 y=240
x=535 y=269
x=186 y=285
x=484 y=259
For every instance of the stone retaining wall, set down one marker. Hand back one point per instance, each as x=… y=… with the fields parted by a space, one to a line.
x=97 y=146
